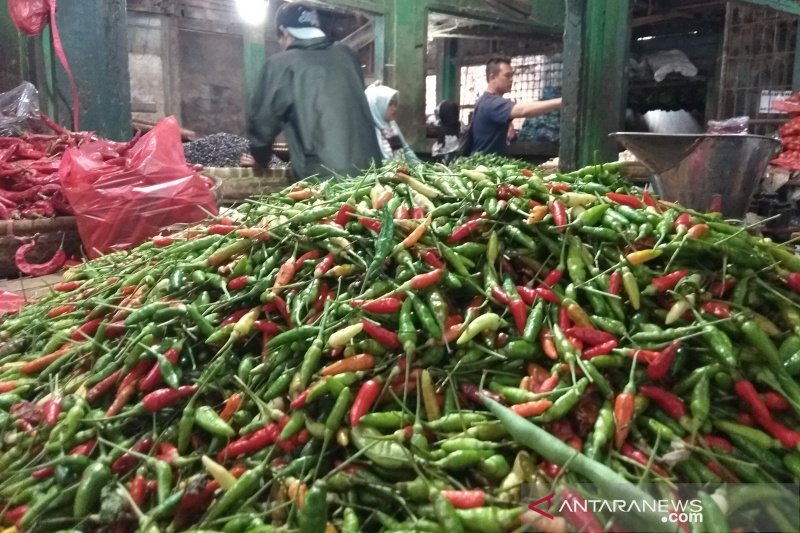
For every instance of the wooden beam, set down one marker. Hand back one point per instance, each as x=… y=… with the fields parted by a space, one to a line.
x=343 y=6
x=361 y=37
x=545 y=16
x=787 y=6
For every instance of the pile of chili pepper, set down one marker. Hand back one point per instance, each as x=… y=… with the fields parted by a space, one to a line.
x=403 y=351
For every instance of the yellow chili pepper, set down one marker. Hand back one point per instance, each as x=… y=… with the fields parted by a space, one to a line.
x=220 y=474
x=345 y=335
x=537 y=214
x=429 y=396
x=643 y=256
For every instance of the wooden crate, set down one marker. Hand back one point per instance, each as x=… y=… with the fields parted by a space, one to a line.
x=52 y=232
x=238 y=183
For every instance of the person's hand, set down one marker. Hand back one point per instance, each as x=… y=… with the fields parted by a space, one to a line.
x=511 y=135
x=247 y=161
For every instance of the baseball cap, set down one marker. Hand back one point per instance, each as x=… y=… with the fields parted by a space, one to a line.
x=302 y=22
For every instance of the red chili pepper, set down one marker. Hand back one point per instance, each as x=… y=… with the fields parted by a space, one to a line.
x=40 y=363
x=590 y=335
x=160 y=241
x=527 y=294
x=463 y=231
x=51 y=410
x=365 y=399
x=637 y=455
x=124 y=394
x=128 y=461
x=41 y=269
x=747 y=391
x=776 y=402
x=234 y=317
x=526 y=172
x=343 y=215
x=43 y=473
x=683 y=220
x=717 y=308
x=787 y=437
x=624 y=406
x=547 y=294
x=793 y=281
x=385 y=305
x=138 y=490
x=558 y=187
x=465 y=499
x=15 y=513
x=267 y=326
x=61 y=310
x=300 y=400
x=553 y=277
x=252 y=443
x=667 y=282
x=578 y=513
x=698 y=231
x=600 y=349
x=648 y=199
x=559 y=212
x=139 y=370
x=548 y=345
x=722 y=443
x=379 y=333
x=84 y=449
x=67 y=286
x=432 y=258
x=474 y=394
x=7 y=386
x=114 y=330
x=659 y=367
x=231 y=406
x=402 y=213
x=720 y=287
x=220 y=229
x=614 y=283
x=499 y=295
x=668 y=402
x=163 y=398
x=102 y=387
x=625 y=199
x=423 y=281
x=370 y=224
x=310 y=255
x=519 y=311
x=86 y=330
x=167 y=452
x=745 y=419
x=403 y=387
x=238 y=283
x=324 y=265
x=154 y=378
x=283 y=309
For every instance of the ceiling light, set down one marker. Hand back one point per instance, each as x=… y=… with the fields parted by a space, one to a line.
x=253 y=12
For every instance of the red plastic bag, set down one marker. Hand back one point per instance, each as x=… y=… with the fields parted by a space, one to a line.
x=10 y=302
x=30 y=16
x=122 y=199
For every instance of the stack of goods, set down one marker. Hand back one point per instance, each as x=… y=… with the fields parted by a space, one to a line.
x=403 y=351
x=790 y=134
x=544 y=128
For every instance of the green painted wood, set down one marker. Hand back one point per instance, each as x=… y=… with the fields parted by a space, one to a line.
x=254 y=49
x=406 y=46
x=787 y=6
x=98 y=55
x=796 y=73
x=448 y=71
x=597 y=40
x=379 y=47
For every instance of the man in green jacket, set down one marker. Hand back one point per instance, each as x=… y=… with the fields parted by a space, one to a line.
x=314 y=92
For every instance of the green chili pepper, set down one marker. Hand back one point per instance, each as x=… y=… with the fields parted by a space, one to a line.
x=383 y=452
x=446 y=515
x=208 y=419
x=242 y=489
x=565 y=403
x=95 y=477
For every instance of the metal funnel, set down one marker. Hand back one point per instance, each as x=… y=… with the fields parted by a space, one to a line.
x=690 y=169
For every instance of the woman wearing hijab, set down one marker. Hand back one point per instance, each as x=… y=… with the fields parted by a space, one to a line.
x=382 y=102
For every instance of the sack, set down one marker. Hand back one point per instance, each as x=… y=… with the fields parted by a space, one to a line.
x=29 y=16
x=122 y=199
x=19 y=110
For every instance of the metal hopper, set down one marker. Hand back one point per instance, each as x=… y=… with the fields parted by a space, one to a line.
x=690 y=169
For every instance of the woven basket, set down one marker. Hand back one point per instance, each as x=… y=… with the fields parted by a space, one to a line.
x=51 y=231
x=234 y=184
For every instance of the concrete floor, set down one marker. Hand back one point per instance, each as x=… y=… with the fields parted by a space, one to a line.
x=30 y=288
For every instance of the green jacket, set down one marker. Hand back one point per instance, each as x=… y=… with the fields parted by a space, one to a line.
x=314 y=93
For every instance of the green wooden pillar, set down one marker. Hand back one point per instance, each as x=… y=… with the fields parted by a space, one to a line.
x=448 y=71
x=254 y=55
x=94 y=34
x=404 y=69
x=595 y=80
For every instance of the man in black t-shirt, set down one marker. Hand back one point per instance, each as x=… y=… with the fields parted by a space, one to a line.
x=493 y=113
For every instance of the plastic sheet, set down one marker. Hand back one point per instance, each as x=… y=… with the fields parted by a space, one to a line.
x=19 y=110
x=30 y=16
x=10 y=302
x=735 y=125
x=121 y=200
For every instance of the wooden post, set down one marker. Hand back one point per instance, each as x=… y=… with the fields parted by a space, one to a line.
x=596 y=47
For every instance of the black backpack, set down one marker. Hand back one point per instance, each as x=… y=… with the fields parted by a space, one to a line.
x=465 y=142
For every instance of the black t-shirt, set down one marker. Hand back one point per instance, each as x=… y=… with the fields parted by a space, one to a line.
x=490 y=123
